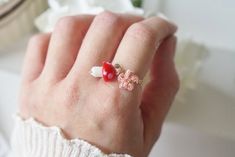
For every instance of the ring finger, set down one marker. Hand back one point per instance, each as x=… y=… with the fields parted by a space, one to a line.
x=140 y=43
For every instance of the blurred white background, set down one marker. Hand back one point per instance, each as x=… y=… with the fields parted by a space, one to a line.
x=210 y=21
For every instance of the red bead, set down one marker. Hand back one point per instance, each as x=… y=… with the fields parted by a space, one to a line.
x=108 y=71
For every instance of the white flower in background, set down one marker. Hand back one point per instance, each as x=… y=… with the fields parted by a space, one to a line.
x=189 y=55
x=60 y=8
x=189 y=58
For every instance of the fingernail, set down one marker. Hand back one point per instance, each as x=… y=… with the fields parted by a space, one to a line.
x=163 y=16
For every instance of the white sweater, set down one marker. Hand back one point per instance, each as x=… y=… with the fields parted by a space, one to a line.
x=31 y=139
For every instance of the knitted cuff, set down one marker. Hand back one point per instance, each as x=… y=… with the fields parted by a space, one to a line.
x=32 y=139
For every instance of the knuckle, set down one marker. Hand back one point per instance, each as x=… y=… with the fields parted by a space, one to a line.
x=164 y=25
x=141 y=31
x=66 y=22
x=161 y=21
x=108 y=18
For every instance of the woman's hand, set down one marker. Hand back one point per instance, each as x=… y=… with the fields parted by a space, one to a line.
x=57 y=88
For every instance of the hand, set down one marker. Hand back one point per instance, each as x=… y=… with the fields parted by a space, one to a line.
x=57 y=88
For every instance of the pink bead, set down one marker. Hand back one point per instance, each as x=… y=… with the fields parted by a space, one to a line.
x=128 y=80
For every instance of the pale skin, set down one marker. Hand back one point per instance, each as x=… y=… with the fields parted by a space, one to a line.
x=57 y=89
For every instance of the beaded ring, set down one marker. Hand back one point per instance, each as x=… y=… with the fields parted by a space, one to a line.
x=127 y=79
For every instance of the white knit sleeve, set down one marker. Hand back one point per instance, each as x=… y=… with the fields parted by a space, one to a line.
x=31 y=139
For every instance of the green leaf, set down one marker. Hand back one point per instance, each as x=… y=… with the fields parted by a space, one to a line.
x=137 y=3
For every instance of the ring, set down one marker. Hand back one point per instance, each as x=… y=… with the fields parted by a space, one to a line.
x=127 y=79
